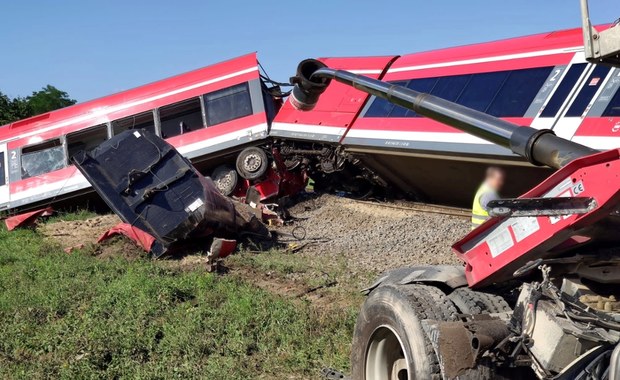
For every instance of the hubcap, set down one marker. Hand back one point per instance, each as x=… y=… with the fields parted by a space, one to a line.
x=385 y=357
x=252 y=162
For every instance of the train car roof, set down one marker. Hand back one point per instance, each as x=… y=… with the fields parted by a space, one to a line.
x=561 y=39
x=137 y=93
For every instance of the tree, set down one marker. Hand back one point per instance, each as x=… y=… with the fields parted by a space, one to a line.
x=49 y=98
x=13 y=109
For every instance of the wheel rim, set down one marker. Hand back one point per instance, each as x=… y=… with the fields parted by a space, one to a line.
x=224 y=181
x=252 y=162
x=385 y=356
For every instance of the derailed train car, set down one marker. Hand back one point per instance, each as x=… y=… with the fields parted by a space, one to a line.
x=225 y=119
x=220 y=112
x=542 y=81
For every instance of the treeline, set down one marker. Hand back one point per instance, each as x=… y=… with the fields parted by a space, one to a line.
x=49 y=98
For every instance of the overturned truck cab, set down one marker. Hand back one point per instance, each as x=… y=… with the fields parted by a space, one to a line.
x=151 y=186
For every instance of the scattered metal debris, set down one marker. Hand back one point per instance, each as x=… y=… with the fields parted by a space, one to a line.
x=26 y=219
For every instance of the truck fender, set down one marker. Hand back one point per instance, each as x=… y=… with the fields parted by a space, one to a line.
x=450 y=275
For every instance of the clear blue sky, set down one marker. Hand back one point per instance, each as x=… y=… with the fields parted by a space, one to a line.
x=92 y=48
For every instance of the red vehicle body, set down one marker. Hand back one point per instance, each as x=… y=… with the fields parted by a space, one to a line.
x=541 y=81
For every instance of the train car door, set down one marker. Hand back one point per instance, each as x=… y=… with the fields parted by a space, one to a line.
x=4 y=178
x=564 y=82
x=582 y=101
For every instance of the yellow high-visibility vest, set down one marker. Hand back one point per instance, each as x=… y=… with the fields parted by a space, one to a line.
x=478 y=214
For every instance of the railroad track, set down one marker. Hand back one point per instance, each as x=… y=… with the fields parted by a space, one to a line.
x=421 y=207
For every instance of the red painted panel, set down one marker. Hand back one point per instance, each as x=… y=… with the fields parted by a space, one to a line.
x=599 y=126
x=61 y=175
x=339 y=105
x=596 y=176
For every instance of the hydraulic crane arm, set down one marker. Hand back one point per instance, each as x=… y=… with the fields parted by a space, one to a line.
x=540 y=147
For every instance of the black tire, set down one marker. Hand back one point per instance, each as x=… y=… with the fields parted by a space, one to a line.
x=389 y=342
x=252 y=163
x=225 y=178
x=469 y=301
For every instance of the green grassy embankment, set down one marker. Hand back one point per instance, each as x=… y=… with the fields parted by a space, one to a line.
x=79 y=316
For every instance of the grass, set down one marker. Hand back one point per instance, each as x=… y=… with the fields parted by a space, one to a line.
x=77 y=316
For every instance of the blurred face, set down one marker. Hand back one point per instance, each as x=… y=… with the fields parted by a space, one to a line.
x=496 y=181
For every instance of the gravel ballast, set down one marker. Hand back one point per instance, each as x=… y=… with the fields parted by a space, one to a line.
x=375 y=238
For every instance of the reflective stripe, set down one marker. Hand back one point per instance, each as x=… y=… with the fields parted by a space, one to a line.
x=478 y=214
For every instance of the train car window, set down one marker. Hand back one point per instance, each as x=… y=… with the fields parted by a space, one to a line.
x=228 y=104
x=179 y=118
x=587 y=91
x=449 y=88
x=86 y=140
x=564 y=88
x=42 y=158
x=381 y=107
x=613 y=109
x=481 y=90
x=2 y=170
x=424 y=85
x=518 y=92
x=143 y=120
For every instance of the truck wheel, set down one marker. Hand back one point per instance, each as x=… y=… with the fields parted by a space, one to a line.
x=469 y=301
x=225 y=179
x=389 y=343
x=252 y=163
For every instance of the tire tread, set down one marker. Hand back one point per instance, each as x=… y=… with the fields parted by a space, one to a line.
x=431 y=303
x=474 y=302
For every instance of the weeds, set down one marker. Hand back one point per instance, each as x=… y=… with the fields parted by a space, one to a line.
x=76 y=316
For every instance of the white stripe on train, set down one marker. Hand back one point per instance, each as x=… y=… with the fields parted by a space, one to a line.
x=488 y=59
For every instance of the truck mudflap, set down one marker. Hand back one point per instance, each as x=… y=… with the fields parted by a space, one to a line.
x=149 y=185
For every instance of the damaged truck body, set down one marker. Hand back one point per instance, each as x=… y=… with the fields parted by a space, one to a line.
x=537 y=296
x=152 y=187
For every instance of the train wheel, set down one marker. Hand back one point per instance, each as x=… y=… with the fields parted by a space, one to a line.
x=225 y=178
x=472 y=302
x=389 y=343
x=252 y=163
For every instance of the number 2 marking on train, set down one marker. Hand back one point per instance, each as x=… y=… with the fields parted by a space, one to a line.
x=556 y=73
x=13 y=155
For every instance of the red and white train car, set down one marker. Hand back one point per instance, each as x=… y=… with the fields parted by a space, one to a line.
x=215 y=111
x=349 y=138
x=541 y=81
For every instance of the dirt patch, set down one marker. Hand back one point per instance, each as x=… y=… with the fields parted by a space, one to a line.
x=118 y=246
x=318 y=296
x=75 y=233
x=350 y=240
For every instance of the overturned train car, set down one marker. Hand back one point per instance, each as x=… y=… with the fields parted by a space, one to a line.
x=542 y=81
x=217 y=116
x=235 y=129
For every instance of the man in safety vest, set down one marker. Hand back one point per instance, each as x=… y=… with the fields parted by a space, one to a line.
x=488 y=191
